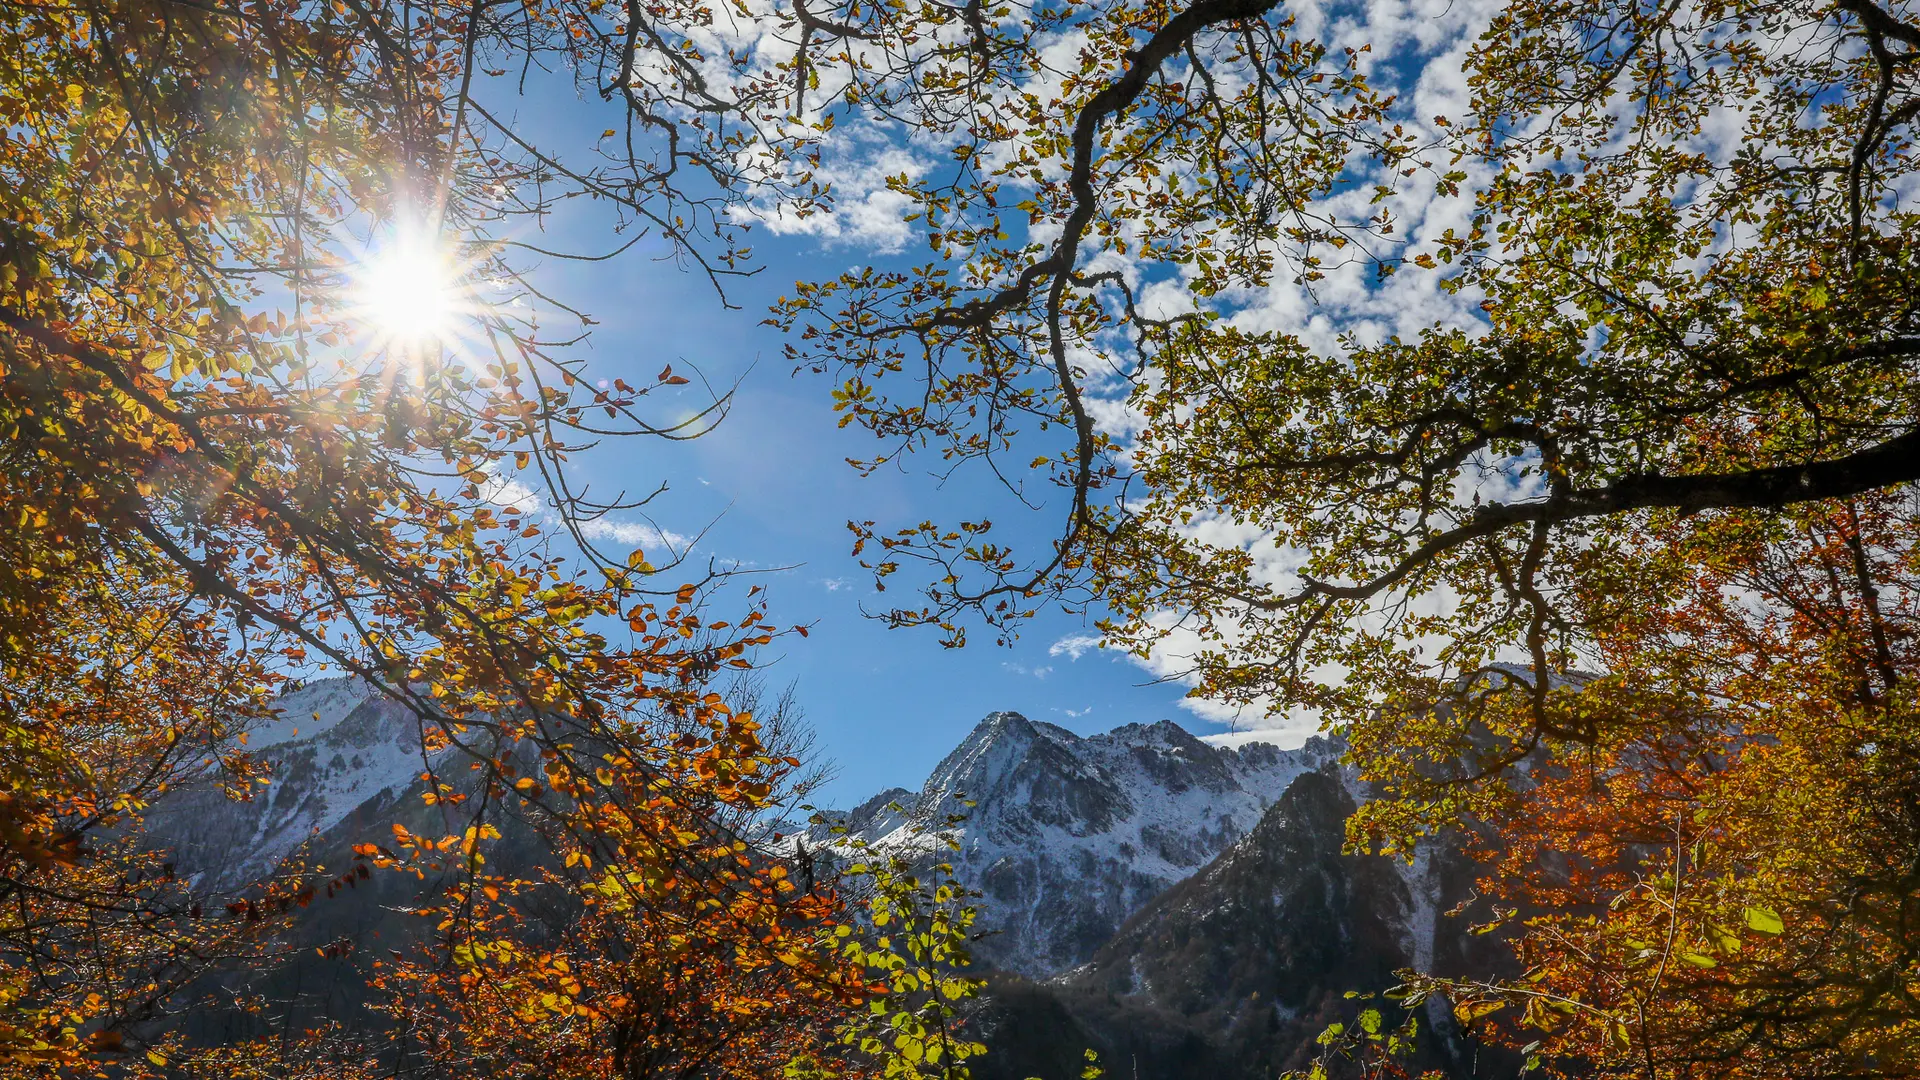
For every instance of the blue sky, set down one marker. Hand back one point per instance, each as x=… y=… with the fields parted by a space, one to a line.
x=771 y=489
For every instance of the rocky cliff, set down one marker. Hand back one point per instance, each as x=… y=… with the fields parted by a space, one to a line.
x=1066 y=836
x=336 y=747
x=1232 y=973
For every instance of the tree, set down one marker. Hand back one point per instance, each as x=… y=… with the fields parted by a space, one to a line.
x=116 y=704
x=1666 y=252
x=681 y=949
x=1745 y=821
x=224 y=469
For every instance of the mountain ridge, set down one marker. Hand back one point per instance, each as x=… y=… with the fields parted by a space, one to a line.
x=1065 y=835
x=1142 y=892
x=1232 y=973
x=337 y=747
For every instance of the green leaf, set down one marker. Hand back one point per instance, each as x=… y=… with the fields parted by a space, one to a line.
x=1765 y=920
x=1370 y=1021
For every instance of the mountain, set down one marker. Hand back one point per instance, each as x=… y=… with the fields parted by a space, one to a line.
x=336 y=748
x=1066 y=836
x=1186 y=911
x=1233 y=972
x=1183 y=909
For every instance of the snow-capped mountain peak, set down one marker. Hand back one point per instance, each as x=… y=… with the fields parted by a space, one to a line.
x=335 y=747
x=1067 y=835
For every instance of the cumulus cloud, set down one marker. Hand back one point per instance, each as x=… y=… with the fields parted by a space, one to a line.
x=866 y=212
x=509 y=493
x=640 y=534
x=1074 y=646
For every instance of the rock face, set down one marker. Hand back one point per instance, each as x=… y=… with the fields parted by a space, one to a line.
x=1232 y=972
x=1183 y=909
x=1296 y=910
x=1068 y=835
x=337 y=747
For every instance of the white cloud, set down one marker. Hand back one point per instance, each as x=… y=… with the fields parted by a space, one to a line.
x=1286 y=738
x=638 y=534
x=509 y=493
x=1074 y=646
x=866 y=211
x=1421 y=49
x=1171 y=661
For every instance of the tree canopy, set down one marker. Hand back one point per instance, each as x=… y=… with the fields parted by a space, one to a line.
x=1556 y=448
x=223 y=472
x=1600 y=548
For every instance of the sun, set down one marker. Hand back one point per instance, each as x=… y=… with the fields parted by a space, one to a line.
x=408 y=292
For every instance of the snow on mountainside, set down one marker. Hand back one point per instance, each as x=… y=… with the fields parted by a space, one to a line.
x=335 y=747
x=1069 y=835
x=1232 y=973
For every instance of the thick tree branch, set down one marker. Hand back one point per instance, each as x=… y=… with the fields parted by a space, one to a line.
x=1888 y=464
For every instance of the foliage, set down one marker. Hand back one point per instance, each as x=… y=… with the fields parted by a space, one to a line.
x=1644 y=405
x=917 y=949
x=690 y=951
x=117 y=704
x=1721 y=884
x=1369 y=1047
x=221 y=474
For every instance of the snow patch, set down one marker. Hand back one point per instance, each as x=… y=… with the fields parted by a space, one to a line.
x=1068 y=835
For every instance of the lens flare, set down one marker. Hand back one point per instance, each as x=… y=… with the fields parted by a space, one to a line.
x=409 y=293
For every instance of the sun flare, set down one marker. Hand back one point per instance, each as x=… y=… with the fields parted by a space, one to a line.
x=409 y=293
